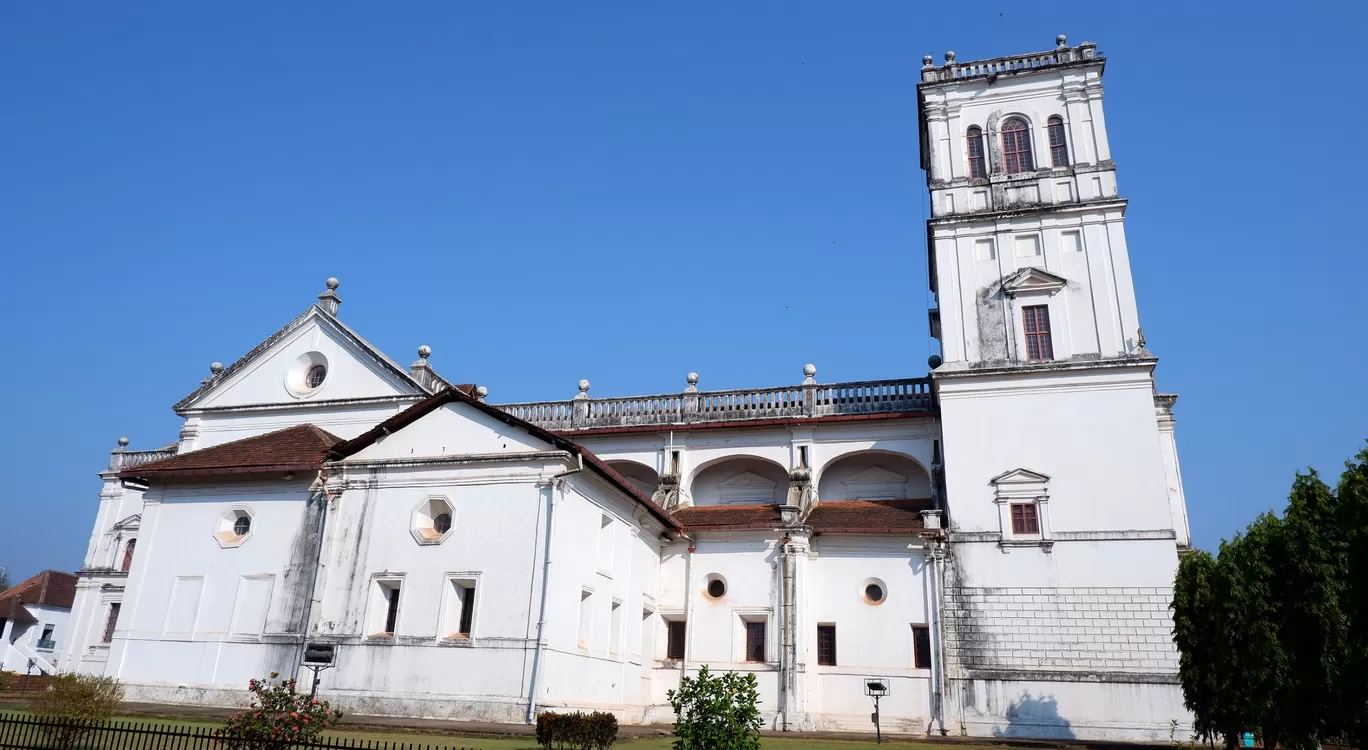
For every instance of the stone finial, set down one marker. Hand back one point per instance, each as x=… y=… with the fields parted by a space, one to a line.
x=809 y=370
x=934 y=361
x=329 y=300
x=1061 y=41
x=949 y=57
x=692 y=379
x=927 y=61
x=481 y=393
x=583 y=389
x=215 y=368
x=424 y=351
x=123 y=443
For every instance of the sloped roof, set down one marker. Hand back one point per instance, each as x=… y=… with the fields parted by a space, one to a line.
x=461 y=394
x=300 y=447
x=707 y=517
x=314 y=311
x=869 y=516
x=50 y=588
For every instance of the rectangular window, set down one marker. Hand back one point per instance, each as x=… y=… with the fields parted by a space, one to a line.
x=755 y=640
x=675 y=631
x=1037 y=325
x=644 y=647
x=978 y=168
x=1024 y=519
x=586 y=617
x=826 y=645
x=110 y=622
x=615 y=629
x=984 y=250
x=921 y=647
x=467 y=610
x=391 y=608
x=1071 y=242
x=1028 y=246
x=605 y=545
x=383 y=611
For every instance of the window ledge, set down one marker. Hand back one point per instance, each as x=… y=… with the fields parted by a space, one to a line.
x=606 y=573
x=1045 y=545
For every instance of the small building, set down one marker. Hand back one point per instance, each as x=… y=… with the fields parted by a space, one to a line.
x=33 y=620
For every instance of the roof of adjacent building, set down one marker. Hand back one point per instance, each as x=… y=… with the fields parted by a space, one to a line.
x=51 y=588
x=836 y=516
x=295 y=448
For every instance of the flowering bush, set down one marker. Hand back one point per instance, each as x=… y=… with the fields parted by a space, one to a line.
x=278 y=717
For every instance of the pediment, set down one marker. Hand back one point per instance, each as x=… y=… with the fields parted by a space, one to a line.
x=1032 y=279
x=875 y=475
x=454 y=429
x=129 y=524
x=1019 y=476
x=266 y=375
x=747 y=480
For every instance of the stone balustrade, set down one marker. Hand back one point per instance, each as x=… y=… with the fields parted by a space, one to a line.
x=953 y=71
x=693 y=406
x=121 y=458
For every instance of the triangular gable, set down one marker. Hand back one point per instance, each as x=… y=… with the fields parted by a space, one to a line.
x=413 y=414
x=395 y=379
x=1032 y=280
x=877 y=483
x=746 y=487
x=1019 y=476
x=875 y=475
x=451 y=430
x=129 y=524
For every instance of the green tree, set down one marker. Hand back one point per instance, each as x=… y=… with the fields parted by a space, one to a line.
x=1194 y=632
x=1352 y=492
x=716 y=712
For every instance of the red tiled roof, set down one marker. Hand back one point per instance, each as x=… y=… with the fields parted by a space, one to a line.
x=51 y=588
x=888 y=516
x=729 y=517
x=300 y=447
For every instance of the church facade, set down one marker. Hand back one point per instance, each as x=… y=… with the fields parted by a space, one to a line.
x=993 y=544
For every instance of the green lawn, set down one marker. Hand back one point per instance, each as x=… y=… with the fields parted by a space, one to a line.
x=422 y=739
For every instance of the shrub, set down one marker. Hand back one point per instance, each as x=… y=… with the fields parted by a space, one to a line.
x=77 y=701
x=5 y=680
x=577 y=731
x=716 y=712
x=278 y=717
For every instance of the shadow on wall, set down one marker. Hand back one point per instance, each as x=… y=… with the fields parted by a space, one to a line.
x=1039 y=718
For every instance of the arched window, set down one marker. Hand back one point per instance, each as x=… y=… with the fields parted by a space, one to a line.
x=128 y=555
x=1059 y=150
x=973 y=137
x=1016 y=146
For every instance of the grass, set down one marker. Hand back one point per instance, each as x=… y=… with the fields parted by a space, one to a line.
x=448 y=741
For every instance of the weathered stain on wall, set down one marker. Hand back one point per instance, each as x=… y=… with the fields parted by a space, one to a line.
x=992 y=326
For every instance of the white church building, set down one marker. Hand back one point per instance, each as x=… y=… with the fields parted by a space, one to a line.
x=995 y=543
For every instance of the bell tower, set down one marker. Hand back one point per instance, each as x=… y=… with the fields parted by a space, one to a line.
x=1062 y=486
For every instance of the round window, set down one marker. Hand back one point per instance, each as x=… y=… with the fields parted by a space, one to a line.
x=442 y=523
x=242 y=525
x=317 y=374
x=717 y=588
x=874 y=593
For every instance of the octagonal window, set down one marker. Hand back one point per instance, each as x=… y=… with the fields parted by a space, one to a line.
x=234 y=526
x=432 y=520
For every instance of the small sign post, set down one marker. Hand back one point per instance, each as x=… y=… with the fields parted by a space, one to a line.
x=318 y=657
x=876 y=689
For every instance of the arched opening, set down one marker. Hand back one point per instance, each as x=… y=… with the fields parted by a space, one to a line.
x=641 y=476
x=873 y=475
x=742 y=480
x=128 y=555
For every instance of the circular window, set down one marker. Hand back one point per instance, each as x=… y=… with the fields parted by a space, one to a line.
x=874 y=591
x=717 y=588
x=317 y=374
x=242 y=525
x=442 y=523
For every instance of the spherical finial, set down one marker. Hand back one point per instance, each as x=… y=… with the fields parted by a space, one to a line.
x=584 y=386
x=424 y=351
x=333 y=283
x=1061 y=39
x=216 y=367
x=949 y=57
x=692 y=378
x=809 y=370
x=481 y=392
x=933 y=361
x=927 y=60
x=123 y=442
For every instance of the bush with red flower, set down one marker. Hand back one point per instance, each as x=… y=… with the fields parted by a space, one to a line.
x=278 y=717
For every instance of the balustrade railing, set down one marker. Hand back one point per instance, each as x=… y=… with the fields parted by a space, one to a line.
x=125 y=459
x=952 y=70
x=696 y=407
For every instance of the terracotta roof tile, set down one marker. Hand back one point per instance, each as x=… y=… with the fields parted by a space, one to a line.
x=729 y=516
x=51 y=588
x=299 y=447
x=869 y=515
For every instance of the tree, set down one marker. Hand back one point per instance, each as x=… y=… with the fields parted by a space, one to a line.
x=716 y=712
x=1195 y=634
x=1352 y=492
x=75 y=702
x=4 y=579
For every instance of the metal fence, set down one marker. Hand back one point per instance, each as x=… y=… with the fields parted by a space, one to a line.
x=34 y=733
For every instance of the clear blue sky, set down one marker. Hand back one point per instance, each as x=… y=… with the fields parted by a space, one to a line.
x=629 y=191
